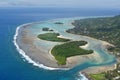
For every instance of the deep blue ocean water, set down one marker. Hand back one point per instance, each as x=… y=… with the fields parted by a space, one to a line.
x=12 y=65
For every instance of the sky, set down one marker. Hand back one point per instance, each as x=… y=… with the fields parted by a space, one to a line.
x=62 y=3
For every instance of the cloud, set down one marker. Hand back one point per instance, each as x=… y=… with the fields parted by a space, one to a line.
x=63 y=3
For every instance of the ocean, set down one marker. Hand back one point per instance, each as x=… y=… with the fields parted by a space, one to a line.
x=12 y=64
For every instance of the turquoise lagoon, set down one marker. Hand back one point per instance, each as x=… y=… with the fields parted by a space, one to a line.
x=15 y=67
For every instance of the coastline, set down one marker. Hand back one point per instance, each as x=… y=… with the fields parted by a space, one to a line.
x=24 y=55
x=98 y=69
x=28 y=57
x=71 y=61
x=84 y=46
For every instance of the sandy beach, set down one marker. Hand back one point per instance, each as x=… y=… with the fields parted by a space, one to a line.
x=34 y=52
x=40 y=53
x=98 y=69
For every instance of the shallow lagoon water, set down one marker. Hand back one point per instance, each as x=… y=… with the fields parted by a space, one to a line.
x=13 y=66
x=94 y=44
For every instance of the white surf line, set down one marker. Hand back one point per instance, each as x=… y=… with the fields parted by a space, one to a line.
x=81 y=77
x=26 y=57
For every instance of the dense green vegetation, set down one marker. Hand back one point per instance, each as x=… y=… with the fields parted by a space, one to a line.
x=106 y=28
x=61 y=52
x=46 y=29
x=58 y=23
x=100 y=76
x=113 y=74
x=109 y=75
x=52 y=37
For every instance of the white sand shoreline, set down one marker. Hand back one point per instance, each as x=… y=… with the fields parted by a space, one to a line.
x=26 y=56
x=71 y=62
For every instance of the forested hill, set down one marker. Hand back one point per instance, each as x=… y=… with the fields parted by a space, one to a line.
x=103 y=28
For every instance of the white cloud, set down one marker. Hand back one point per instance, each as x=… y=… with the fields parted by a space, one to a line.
x=63 y=3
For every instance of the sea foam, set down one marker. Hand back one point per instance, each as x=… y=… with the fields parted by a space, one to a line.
x=81 y=77
x=29 y=60
x=26 y=57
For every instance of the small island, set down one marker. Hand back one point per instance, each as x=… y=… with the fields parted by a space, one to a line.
x=69 y=49
x=58 y=23
x=45 y=45
x=46 y=29
x=52 y=37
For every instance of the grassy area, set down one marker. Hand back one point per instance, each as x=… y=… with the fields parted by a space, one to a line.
x=109 y=75
x=113 y=74
x=61 y=52
x=52 y=37
x=100 y=76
